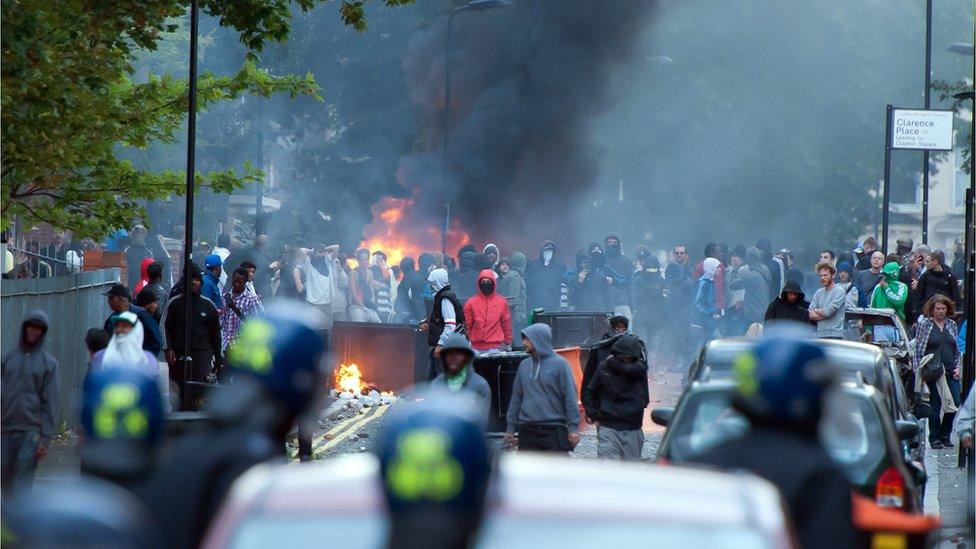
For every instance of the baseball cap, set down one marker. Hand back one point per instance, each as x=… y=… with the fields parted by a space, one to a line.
x=117 y=290
x=212 y=260
x=125 y=316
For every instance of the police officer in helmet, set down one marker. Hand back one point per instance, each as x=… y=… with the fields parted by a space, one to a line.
x=435 y=467
x=781 y=388
x=122 y=422
x=275 y=378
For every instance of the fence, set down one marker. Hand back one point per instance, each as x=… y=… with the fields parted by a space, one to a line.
x=73 y=303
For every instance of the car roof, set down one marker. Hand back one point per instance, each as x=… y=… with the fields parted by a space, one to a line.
x=865 y=311
x=527 y=485
x=554 y=485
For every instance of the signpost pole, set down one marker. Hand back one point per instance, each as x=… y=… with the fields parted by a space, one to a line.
x=928 y=104
x=887 y=181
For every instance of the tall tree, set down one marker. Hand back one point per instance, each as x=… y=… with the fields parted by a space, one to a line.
x=70 y=101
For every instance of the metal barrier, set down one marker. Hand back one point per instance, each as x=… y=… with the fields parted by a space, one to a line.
x=74 y=304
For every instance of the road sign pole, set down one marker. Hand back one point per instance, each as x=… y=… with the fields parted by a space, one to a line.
x=887 y=181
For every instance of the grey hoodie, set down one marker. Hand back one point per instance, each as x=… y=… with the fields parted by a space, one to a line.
x=544 y=391
x=30 y=384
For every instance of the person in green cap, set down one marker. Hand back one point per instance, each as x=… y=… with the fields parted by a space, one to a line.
x=459 y=376
x=889 y=294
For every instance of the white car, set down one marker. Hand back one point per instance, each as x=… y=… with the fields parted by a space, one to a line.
x=535 y=501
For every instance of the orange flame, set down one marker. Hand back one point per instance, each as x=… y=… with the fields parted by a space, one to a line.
x=394 y=232
x=349 y=378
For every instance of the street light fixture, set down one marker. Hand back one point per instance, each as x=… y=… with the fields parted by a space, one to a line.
x=472 y=5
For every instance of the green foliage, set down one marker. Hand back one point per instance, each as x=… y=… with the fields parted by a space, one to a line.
x=948 y=91
x=71 y=102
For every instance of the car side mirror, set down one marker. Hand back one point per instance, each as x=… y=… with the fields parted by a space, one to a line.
x=907 y=430
x=662 y=416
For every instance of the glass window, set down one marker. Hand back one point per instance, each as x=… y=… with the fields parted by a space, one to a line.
x=851 y=432
x=705 y=421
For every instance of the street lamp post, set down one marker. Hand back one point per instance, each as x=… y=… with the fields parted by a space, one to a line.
x=191 y=130
x=472 y=5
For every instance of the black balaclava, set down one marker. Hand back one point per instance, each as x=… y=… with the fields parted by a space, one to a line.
x=486 y=285
x=612 y=250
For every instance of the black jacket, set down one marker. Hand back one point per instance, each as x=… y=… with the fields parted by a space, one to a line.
x=781 y=309
x=543 y=283
x=410 y=298
x=435 y=323
x=593 y=294
x=933 y=283
x=465 y=279
x=617 y=394
x=815 y=491
x=649 y=303
x=204 y=332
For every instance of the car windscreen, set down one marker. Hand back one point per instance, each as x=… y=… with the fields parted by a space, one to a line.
x=851 y=430
x=349 y=531
x=505 y=531
x=853 y=360
x=878 y=329
x=704 y=420
x=852 y=433
x=719 y=361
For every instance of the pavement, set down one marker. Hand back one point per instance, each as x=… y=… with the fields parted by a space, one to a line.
x=946 y=496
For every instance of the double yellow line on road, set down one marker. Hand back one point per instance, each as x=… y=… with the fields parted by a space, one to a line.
x=344 y=430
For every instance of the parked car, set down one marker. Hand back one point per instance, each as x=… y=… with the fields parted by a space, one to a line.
x=881 y=327
x=535 y=501
x=856 y=430
x=870 y=363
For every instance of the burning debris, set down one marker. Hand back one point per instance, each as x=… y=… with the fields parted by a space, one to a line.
x=353 y=395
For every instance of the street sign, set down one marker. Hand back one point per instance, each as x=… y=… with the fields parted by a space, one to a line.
x=921 y=129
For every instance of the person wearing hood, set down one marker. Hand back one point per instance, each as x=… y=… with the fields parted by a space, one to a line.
x=616 y=397
x=486 y=315
x=28 y=393
x=589 y=286
x=790 y=305
x=845 y=280
x=937 y=280
x=705 y=313
x=624 y=267
x=143 y=275
x=410 y=293
x=755 y=292
x=544 y=278
x=492 y=255
x=773 y=266
x=544 y=409
x=204 y=345
x=135 y=252
x=649 y=299
x=446 y=317
x=511 y=286
x=465 y=279
x=425 y=264
x=889 y=294
x=713 y=250
x=459 y=377
x=124 y=349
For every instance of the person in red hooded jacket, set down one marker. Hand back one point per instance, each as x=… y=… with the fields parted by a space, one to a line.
x=486 y=316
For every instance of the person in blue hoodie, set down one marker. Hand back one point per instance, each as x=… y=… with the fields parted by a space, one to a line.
x=213 y=266
x=704 y=312
x=544 y=409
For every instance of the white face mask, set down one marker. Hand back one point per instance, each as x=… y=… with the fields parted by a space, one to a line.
x=547 y=256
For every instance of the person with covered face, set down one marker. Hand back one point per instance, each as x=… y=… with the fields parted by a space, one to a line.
x=889 y=294
x=589 y=285
x=705 y=313
x=624 y=267
x=29 y=392
x=135 y=252
x=487 y=318
x=204 y=345
x=615 y=398
x=446 y=316
x=544 y=278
